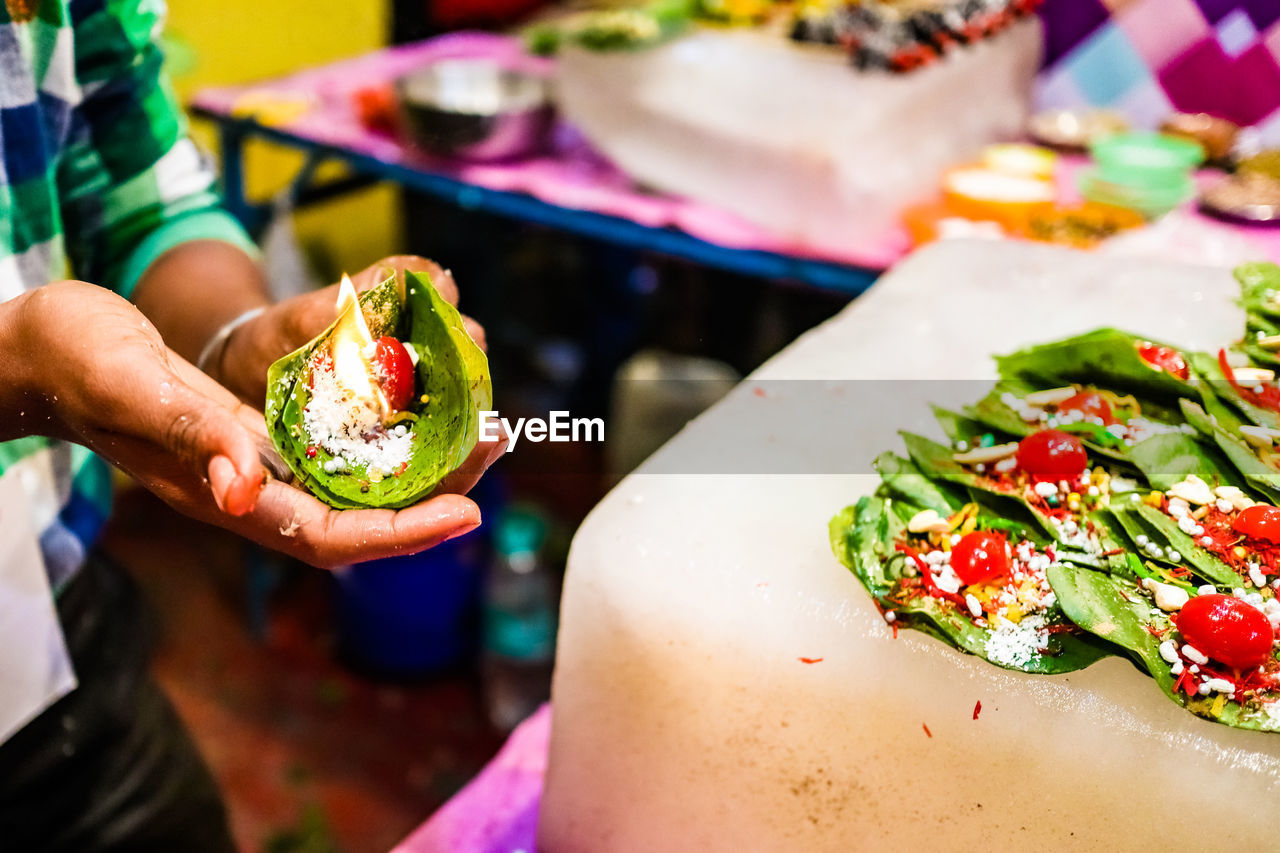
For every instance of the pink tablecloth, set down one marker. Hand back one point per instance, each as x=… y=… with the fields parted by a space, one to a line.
x=497 y=812
x=572 y=175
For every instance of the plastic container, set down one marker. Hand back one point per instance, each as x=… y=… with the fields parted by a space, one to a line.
x=1015 y=158
x=1147 y=172
x=418 y=615
x=412 y=616
x=1147 y=160
x=519 y=621
x=984 y=194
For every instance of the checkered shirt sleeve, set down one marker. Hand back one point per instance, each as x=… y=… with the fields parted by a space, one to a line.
x=130 y=182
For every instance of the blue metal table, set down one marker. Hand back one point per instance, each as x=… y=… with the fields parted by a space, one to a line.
x=236 y=132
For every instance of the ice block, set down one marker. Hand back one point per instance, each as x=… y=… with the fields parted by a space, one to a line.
x=789 y=135
x=723 y=683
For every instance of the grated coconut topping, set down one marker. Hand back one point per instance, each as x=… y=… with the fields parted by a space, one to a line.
x=351 y=429
x=1017 y=644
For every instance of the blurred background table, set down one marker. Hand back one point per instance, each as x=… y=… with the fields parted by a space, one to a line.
x=570 y=188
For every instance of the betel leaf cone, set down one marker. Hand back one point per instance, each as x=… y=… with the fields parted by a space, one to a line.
x=1106 y=357
x=1260 y=296
x=1222 y=400
x=452 y=388
x=863 y=537
x=1118 y=610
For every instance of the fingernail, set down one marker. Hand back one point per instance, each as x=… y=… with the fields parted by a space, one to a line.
x=221 y=475
x=462 y=530
x=243 y=496
x=233 y=493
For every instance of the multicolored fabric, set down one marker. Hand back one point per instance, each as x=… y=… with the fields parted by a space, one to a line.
x=97 y=180
x=1147 y=58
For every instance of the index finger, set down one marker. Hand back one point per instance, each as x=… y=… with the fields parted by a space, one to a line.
x=441 y=279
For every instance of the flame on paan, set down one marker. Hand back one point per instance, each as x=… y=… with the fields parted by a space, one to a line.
x=352 y=348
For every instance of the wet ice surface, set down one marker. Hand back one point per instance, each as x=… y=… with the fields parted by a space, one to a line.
x=684 y=719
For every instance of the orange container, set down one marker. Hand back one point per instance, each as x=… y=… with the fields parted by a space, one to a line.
x=979 y=193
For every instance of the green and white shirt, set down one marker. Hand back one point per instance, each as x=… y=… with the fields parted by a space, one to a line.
x=98 y=180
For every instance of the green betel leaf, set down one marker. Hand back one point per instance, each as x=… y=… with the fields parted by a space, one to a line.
x=905 y=482
x=956 y=426
x=452 y=387
x=935 y=461
x=1168 y=458
x=1120 y=611
x=856 y=534
x=865 y=538
x=1260 y=327
x=1215 y=385
x=1260 y=289
x=1260 y=468
x=1265 y=357
x=1140 y=519
x=1105 y=357
x=994 y=411
x=1113 y=609
x=993 y=414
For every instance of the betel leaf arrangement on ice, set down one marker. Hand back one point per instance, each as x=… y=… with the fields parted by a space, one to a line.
x=383 y=404
x=1111 y=495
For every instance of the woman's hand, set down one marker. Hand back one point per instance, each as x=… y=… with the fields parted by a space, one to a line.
x=84 y=365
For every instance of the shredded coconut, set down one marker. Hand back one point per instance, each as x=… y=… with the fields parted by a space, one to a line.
x=351 y=429
x=1017 y=644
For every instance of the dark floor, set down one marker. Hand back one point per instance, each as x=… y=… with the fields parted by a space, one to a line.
x=310 y=756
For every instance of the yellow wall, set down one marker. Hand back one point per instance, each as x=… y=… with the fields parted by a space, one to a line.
x=238 y=41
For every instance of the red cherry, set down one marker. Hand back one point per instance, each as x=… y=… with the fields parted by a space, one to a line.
x=1227 y=629
x=1052 y=455
x=1259 y=522
x=1089 y=404
x=980 y=556
x=395 y=370
x=1164 y=358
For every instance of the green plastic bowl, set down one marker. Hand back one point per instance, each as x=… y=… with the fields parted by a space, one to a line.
x=1151 y=201
x=1146 y=161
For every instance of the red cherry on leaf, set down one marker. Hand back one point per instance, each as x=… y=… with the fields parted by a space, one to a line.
x=980 y=556
x=1227 y=629
x=1089 y=404
x=1052 y=455
x=395 y=370
x=1165 y=358
x=1259 y=522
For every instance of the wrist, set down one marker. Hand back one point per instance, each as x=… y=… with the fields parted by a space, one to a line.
x=231 y=355
x=25 y=398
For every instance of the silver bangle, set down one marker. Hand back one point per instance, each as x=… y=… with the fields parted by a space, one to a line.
x=212 y=351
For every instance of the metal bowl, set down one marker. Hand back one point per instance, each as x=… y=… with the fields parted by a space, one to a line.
x=1249 y=198
x=474 y=109
x=1071 y=130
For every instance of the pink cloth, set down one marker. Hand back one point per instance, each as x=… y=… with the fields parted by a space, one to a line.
x=573 y=175
x=497 y=812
